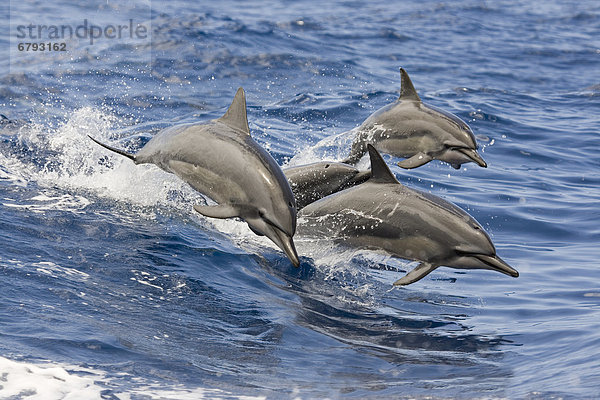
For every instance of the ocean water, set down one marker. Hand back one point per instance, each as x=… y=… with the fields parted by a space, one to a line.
x=114 y=288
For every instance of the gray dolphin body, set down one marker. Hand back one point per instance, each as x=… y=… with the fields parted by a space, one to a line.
x=420 y=133
x=384 y=214
x=220 y=160
x=314 y=181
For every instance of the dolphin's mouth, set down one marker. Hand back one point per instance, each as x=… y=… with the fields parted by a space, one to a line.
x=473 y=155
x=497 y=264
x=281 y=238
x=276 y=226
x=286 y=243
x=471 y=260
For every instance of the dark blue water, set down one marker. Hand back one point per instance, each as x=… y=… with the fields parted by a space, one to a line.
x=115 y=288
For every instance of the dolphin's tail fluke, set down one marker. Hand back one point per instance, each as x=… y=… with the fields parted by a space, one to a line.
x=118 y=151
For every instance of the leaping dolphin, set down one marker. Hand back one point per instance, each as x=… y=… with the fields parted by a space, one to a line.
x=418 y=132
x=314 y=181
x=221 y=160
x=382 y=214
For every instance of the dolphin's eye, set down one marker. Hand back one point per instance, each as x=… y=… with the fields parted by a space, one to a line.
x=476 y=227
x=326 y=165
x=290 y=204
x=261 y=213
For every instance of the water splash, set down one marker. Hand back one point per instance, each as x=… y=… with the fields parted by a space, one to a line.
x=334 y=148
x=64 y=157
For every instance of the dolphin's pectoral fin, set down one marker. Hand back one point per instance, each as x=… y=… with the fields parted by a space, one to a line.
x=416 y=274
x=415 y=161
x=218 y=211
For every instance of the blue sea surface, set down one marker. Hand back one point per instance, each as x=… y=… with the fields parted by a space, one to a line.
x=110 y=278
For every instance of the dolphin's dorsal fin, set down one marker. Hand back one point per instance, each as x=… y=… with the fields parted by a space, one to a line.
x=236 y=117
x=407 y=90
x=379 y=169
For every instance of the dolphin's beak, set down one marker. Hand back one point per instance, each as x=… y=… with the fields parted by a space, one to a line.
x=286 y=243
x=497 y=264
x=282 y=239
x=474 y=155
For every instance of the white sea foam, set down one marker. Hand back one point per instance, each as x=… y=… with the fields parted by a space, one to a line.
x=80 y=163
x=56 y=271
x=43 y=202
x=54 y=381
x=47 y=381
x=9 y=171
